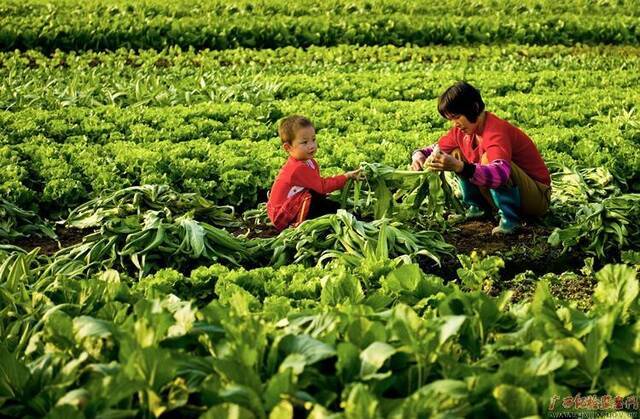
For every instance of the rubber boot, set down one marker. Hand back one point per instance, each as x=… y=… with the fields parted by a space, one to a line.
x=478 y=206
x=507 y=199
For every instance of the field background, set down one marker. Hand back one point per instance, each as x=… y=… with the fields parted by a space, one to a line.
x=119 y=298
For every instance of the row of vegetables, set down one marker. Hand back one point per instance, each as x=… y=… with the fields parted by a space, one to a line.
x=174 y=77
x=381 y=339
x=136 y=320
x=217 y=25
x=50 y=172
x=61 y=146
x=149 y=129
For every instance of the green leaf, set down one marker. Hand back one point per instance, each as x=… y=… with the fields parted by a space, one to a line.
x=348 y=364
x=343 y=288
x=421 y=192
x=544 y=308
x=449 y=398
x=622 y=379
x=597 y=343
x=278 y=387
x=406 y=324
x=570 y=348
x=313 y=350
x=450 y=327
x=617 y=287
x=363 y=332
x=77 y=398
x=361 y=403
x=154 y=366
x=630 y=257
x=403 y=278
x=13 y=375
x=383 y=200
x=245 y=397
x=373 y=357
x=546 y=363
x=382 y=248
x=111 y=276
x=514 y=401
x=283 y=410
x=237 y=372
x=60 y=330
x=625 y=343
x=295 y=362
x=193 y=236
x=85 y=326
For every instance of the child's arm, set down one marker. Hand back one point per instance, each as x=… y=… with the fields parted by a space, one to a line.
x=308 y=178
x=355 y=174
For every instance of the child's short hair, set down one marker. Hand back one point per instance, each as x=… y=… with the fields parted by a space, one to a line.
x=290 y=125
x=461 y=99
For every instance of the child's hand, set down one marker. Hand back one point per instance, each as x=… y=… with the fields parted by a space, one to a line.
x=355 y=174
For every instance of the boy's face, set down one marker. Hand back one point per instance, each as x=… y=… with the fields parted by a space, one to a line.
x=304 y=145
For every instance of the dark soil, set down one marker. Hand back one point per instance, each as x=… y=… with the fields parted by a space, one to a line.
x=66 y=237
x=476 y=235
x=578 y=289
x=256 y=231
x=527 y=250
x=572 y=286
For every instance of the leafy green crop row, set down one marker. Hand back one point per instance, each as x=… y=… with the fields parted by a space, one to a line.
x=173 y=77
x=345 y=57
x=50 y=26
x=221 y=122
x=377 y=108
x=197 y=8
x=234 y=121
x=142 y=229
x=379 y=340
x=16 y=222
x=229 y=152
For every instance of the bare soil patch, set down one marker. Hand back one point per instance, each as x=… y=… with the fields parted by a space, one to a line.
x=66 y=237
x=525 y=251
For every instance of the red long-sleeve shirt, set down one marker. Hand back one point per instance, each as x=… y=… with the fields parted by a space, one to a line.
x=290 y=198
x=503 y=143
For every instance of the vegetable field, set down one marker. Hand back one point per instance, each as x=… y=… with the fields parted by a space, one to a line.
x=139 y=275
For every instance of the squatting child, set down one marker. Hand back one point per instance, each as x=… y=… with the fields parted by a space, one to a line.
x=299 y=192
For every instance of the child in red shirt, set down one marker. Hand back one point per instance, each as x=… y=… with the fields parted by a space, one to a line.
x=299 y=192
